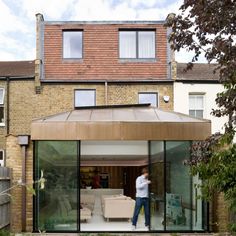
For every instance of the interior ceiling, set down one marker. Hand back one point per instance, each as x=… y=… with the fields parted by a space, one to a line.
x=65 y=153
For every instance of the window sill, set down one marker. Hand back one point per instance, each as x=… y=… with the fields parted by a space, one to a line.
x=72 y=60
x=2 y=125
x=137 y=60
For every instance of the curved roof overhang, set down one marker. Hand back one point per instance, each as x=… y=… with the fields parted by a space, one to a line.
x=120 y=123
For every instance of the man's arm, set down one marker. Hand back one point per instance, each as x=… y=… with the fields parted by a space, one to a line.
x=140 y=184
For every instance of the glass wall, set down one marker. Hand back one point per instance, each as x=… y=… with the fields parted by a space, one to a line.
x=56 y=204
x=178 y=187
x=157 y=189
x=174 y=194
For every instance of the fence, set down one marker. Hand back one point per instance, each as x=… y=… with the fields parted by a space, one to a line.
x=5 y=182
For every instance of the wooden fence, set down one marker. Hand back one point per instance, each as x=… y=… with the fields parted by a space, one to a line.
x=5 y=182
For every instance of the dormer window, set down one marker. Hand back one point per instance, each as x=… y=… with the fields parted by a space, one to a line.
x=137 y=44
x=72 y=44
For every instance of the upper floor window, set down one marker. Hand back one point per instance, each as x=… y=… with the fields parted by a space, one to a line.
x=137 y=44
x=147 y=97
x=73 y=44
x=85 y=97
x=2 y=105
x=196 y=105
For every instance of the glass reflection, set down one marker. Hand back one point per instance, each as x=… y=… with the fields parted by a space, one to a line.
x=57 y=202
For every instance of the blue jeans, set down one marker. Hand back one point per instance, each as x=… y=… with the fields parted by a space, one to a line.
x=138 y=205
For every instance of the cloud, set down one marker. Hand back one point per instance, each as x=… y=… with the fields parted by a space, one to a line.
x=51 y=9
x=17 y=30
x=9 y=21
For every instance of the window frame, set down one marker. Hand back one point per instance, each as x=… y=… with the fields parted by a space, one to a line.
x=203 y=102
x=3 y=157
x=81 y=89
x=82 y=46
x=137 y=30
x=147 y=92
x=3 y=106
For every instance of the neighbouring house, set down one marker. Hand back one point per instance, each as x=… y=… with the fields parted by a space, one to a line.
x=195 y=92
x=99 y=108
x=11 y=71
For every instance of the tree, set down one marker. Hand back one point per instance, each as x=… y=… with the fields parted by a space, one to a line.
x=208 y=27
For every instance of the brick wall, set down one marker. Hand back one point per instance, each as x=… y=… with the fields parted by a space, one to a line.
x=101 y=54
x=128 y=94
x=25 y=105
x=220 y=218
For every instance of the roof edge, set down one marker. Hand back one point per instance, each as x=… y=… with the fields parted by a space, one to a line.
x=105 y=22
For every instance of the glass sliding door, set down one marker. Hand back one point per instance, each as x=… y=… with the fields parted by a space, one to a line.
x=90 y=186
x=157 y=187
x=178 y=187
x=57 y=204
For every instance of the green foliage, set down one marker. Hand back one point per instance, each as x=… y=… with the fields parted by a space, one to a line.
x=4 y=232
x=216 y=166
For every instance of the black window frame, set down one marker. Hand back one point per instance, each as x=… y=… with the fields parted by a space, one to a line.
x=137 y=43
x=82 y=42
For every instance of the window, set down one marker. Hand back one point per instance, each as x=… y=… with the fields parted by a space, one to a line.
x=85 y=98
x=1 y=105
x=1 y=158
x=196 y=105
x=137 y=44
x=72 y=44
x=148 y=98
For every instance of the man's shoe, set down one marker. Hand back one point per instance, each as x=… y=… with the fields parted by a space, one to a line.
x=133 y=228
x=147 y=228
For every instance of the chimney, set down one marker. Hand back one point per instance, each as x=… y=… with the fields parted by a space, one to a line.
x=172 y=67
x=39 y=53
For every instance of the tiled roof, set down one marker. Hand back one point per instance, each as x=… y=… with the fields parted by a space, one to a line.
x=17 y=68
x=199 y=72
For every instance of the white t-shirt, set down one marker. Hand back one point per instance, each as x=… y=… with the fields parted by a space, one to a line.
x=142 y=187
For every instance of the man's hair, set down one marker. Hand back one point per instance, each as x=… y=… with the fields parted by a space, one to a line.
x=144 y=170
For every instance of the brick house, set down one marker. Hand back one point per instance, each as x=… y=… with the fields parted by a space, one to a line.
x=84 y=113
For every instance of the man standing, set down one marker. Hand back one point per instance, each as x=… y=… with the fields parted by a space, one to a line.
x=142 y=195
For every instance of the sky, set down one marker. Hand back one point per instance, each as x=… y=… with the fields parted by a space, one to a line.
x=17 y=17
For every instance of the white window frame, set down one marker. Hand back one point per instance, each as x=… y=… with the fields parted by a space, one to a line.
x=203 y=109
x=150 y=92
x=137 y=57
x=63 y=44
x=3 y=156
x=95 y=95
x=2 y=105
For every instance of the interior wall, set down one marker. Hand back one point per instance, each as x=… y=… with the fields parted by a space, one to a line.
x=115 y=175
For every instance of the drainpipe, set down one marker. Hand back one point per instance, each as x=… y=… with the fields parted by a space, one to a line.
x=106 y=93
x=8 y=104
x=23 y=141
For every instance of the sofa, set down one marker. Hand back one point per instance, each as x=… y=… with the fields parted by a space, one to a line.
x=87 y=201
x=117 y=207
x=65 y=210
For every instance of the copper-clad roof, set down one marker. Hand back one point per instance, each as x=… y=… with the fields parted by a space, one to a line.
x=120 y=123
